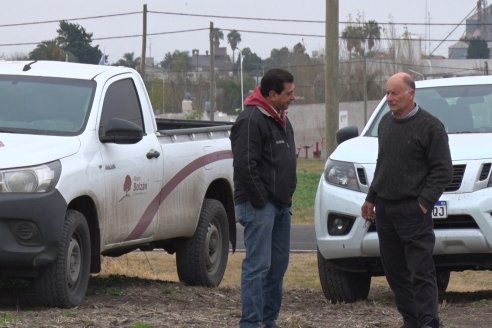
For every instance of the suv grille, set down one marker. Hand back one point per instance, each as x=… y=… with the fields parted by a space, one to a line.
x=458 y=172
x=485 y=171
x=362 y=175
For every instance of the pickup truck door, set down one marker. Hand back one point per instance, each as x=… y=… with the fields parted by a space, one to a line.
x=132 y=172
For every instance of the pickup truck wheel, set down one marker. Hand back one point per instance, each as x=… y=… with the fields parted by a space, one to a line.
x=64 y=283
x=203 y=258
x=342 y=286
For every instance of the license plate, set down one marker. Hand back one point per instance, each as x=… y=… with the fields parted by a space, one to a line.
x=440 y=210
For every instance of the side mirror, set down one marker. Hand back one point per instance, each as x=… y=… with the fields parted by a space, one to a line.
x=120 y=131
x=347 y=133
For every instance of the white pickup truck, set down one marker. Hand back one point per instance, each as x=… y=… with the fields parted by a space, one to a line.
x=348 y=250
x=86 y=170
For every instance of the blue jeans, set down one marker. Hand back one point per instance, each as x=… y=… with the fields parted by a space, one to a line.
x=267 y=243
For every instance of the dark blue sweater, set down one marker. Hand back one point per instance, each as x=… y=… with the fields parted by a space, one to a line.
x=414 y=160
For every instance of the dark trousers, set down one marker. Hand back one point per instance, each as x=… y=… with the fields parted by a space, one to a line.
x=406 y=242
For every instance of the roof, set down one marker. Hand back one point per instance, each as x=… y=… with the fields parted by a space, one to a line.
x=58 y=69
x=453 y=81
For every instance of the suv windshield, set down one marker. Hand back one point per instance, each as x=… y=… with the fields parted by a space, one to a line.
x=45 y=106
x=462 y=109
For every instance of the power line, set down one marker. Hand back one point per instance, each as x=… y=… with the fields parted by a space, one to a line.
x=69 y=19
x=292 y=20
x=224 y=29
x=229 y=17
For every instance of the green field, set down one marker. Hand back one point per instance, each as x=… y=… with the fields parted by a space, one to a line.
x=308 y=175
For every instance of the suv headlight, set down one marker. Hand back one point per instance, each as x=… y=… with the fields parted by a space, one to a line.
x=41 y=178
x=341 y=174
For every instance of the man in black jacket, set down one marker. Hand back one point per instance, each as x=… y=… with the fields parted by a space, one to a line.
x=264 y=159
x=413 y=168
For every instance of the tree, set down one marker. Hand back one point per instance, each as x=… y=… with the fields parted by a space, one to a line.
x=279 y=58
x=234 y=38
x=477 y=48
x=128 y=60
x=354 y=38
x=299 y=49
x=217 y=35
x=179 y=84
x=372 y=33
x=178 y=61
x=48 y=50
x=252 y=63
x=73 y=39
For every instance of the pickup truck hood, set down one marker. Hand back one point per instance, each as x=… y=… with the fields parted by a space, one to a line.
x=364 y=150
x=17 y=150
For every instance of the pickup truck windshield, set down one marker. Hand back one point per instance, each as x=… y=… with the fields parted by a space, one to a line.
x=44 y=106
x=462 y=109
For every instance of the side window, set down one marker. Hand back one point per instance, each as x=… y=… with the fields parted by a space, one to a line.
x=121 y=101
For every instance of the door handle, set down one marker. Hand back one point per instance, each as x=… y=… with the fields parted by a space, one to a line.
x=153 y=154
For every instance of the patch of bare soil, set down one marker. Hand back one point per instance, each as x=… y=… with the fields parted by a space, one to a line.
x=138 y=303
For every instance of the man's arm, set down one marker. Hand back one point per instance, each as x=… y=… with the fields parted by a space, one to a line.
x=440 y=167
x=247 y=147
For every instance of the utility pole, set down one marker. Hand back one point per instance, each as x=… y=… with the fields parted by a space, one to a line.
x=364 y=84
x=331 y=75
x=212 y=72
x=144 y=42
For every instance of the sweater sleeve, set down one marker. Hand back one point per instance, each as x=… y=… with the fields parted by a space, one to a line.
x=440 y=166
x=247 y=150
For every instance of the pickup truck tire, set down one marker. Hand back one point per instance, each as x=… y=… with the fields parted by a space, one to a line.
x=202 y=260
x=64 y=283
x=342 y=286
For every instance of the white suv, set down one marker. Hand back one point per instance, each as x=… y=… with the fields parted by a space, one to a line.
x=348 y=249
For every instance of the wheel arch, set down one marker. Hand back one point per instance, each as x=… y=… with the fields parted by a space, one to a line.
x=87 y=207
x=221 y=190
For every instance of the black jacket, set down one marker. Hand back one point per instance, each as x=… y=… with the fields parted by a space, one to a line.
x=264 y=159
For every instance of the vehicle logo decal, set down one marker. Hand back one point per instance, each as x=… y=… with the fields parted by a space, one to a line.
x=126 y=187
x=1 y=144
x=153 y=207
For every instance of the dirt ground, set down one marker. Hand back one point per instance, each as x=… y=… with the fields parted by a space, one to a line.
x=140 y=303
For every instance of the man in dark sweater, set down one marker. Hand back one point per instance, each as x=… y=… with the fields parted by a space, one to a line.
x=413 y=168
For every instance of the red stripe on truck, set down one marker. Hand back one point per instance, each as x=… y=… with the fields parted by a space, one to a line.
x=153 y=207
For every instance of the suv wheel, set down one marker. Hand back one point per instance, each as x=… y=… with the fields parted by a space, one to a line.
x=342 y=286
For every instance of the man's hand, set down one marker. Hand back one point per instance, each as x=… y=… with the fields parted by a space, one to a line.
x=367 y=211
x=424 y=210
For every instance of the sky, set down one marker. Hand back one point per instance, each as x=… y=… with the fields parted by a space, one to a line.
x=23 y=22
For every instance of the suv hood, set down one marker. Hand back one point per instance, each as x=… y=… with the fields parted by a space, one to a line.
x=364 y=150
x=19 y=150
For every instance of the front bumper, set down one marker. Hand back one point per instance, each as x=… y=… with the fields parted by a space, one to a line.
x=451 y=242
x=31 y=227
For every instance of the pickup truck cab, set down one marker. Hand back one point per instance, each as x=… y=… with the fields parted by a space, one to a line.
x=348 y=248
x=86 y=170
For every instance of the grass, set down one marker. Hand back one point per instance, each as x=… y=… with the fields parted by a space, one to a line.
x=302 y=272
x=308 y=175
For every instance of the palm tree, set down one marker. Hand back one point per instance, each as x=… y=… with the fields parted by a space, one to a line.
x=128 y=60
x=354 y=38
x=234 y=38
x=216 y=35
x=372 y=33
x=48 y=50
